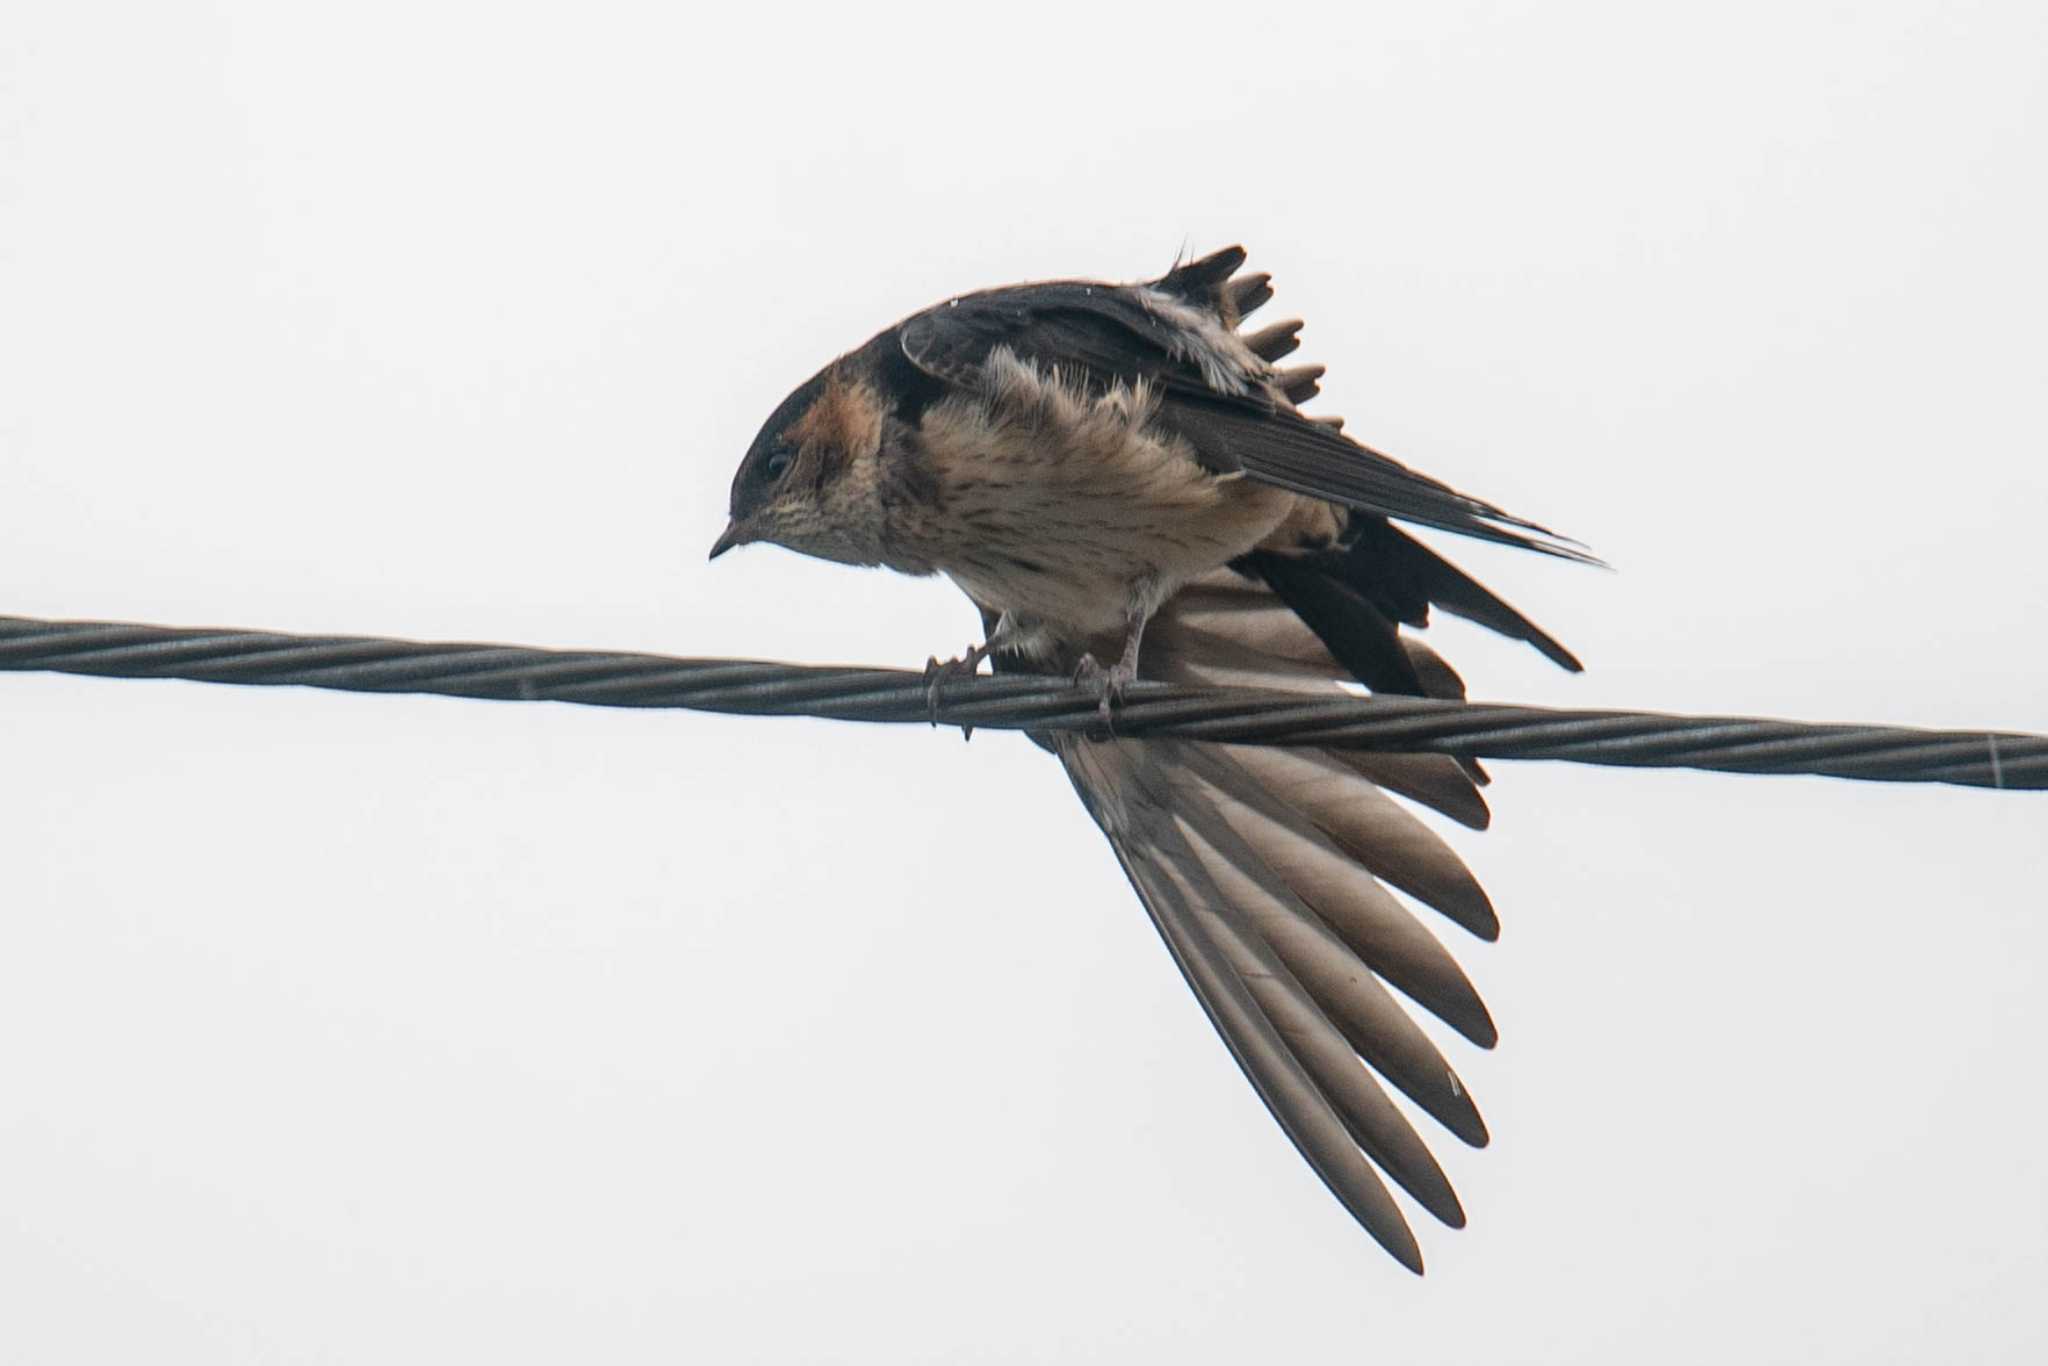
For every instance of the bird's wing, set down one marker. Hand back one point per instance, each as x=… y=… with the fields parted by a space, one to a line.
x=1267 y=872
x=1272 y=873
x=1211 y=389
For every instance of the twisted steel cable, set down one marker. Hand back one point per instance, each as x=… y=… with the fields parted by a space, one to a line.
x=1479 y=730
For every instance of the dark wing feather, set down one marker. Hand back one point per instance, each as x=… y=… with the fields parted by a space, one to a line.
x=1097 y=335
x=1104 y=336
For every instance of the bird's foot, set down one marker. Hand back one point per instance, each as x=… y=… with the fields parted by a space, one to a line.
x=1109 y=684
x=937 y=674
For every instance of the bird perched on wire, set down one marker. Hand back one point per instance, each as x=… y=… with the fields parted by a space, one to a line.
x=1119 y=473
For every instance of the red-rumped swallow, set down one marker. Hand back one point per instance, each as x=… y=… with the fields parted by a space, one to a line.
x=1102 y=467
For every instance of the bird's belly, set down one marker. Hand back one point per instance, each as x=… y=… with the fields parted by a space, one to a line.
x=1083 y=565
x=1073 y=510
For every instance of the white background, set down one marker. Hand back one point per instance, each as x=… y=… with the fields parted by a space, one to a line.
x=383 y=1029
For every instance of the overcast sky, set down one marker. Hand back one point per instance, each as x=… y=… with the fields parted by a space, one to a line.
x=398 y=1029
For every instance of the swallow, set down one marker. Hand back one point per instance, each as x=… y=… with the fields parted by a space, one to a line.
x=1124 y=473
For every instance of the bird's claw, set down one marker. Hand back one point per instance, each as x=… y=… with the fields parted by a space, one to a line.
x=1109 y=684
x=938 y=673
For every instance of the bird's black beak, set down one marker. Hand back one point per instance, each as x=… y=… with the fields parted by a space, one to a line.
x=731 y=537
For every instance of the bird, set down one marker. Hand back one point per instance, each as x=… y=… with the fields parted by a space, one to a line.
x=1122 y=480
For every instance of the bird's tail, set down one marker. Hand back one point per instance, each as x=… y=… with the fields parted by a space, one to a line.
x=1356 y=593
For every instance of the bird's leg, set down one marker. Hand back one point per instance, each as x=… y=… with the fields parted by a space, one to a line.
x=1110 y=683
x=936 y=674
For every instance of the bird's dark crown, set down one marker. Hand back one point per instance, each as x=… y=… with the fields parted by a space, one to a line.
x=775 y=449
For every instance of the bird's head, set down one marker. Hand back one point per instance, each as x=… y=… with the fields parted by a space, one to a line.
x=811 y=480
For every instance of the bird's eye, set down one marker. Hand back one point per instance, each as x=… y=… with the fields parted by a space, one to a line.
x=777 y=463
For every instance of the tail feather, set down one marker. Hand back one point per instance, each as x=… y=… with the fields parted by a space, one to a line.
x=1439 y=679
x=1200 y=278
x=1355 y=628
x=1248 y=294
x=1271 y=343
x=1301 y=383
x=1383 y=554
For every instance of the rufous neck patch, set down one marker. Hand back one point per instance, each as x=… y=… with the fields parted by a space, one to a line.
x=845 y=420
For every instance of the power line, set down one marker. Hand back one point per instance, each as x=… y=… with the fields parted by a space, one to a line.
x=517 y=673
